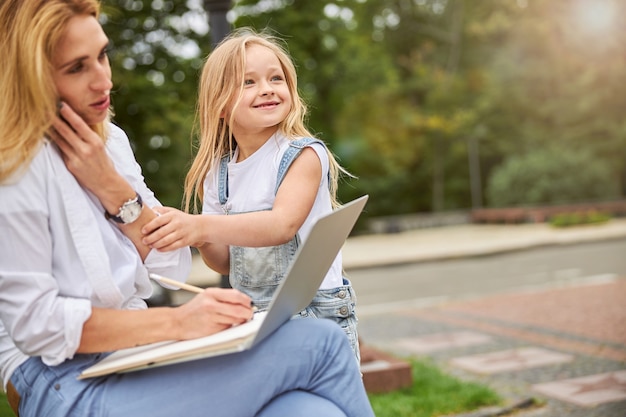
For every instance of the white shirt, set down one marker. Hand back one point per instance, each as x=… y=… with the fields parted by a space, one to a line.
x=251 y=186
x=59 y=256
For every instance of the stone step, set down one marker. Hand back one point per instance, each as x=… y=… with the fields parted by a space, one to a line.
x=383 y=372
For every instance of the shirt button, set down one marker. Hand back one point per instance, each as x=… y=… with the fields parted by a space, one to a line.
x=344 y=311
x=341 y=294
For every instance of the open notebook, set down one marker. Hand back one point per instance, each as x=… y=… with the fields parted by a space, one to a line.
x=306 y=272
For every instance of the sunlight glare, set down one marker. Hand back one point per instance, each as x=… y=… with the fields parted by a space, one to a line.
x=596 y=16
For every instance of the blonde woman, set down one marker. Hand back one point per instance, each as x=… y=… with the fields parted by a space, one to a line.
x=262 y=177
x=74 y=270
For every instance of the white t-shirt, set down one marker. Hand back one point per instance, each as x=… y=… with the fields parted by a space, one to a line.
x=251 y=186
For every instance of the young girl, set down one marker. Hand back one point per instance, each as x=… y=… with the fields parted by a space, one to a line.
x=262 y=178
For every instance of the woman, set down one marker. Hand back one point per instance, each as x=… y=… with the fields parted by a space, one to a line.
x=73 y=269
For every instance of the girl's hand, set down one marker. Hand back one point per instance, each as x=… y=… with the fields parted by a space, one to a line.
x=173 y=229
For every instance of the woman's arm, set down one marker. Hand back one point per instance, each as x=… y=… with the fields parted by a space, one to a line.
x=213 y=310
x=42 y=322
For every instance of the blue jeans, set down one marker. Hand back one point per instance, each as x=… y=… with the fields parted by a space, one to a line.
x=306 y=368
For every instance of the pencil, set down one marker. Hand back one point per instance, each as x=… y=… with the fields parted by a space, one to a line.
x=183 y=286
x=174 y=283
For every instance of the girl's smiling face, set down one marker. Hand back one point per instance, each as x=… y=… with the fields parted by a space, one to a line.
x=265 y=100
x=81 y=72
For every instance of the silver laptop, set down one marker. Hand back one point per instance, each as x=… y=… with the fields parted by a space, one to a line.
x=306 y=272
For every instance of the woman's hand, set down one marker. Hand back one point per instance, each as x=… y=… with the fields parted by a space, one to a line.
x=84 y=153
x=213 y=310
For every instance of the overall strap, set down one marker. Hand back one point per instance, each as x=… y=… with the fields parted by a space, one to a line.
x=222 y=180
x=290 y=155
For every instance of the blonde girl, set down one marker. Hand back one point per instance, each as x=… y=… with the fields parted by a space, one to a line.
x=259 y=164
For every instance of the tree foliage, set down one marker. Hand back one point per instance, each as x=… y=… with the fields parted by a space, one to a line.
x=155 y=54
x=399 y=88
x=551 y=177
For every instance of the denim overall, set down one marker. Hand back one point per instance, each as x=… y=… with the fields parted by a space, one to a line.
x=258 y=271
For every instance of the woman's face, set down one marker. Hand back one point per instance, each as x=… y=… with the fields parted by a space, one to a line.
x=81 y=73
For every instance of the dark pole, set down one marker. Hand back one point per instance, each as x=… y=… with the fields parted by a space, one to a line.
x=218 y=25
x=474 y=170
x=218 y=29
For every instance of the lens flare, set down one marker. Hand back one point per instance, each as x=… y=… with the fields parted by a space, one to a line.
x=596 y=16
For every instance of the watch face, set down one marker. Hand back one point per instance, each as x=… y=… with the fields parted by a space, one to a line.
x=130 y=212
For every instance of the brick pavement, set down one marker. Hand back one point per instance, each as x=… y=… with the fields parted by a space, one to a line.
x=564 y=346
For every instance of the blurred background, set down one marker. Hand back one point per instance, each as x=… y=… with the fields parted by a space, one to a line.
x=437 y=106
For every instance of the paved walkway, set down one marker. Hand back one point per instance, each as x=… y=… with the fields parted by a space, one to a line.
x=564 y=346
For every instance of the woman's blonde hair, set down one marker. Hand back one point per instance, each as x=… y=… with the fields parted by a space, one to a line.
x=221 y=83
x=30 y=30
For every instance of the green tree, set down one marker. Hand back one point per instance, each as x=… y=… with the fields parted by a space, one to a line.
x=333 y=52
x=556 y=82
x=430 y=107
x=551 y=176
x=398 y=88
x=155 y=53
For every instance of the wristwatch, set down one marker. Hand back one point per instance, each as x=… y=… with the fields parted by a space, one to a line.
x=129 y=212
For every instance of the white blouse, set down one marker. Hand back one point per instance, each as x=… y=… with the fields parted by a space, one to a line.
x=59 y=256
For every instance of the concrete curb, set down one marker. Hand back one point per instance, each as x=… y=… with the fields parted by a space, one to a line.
x=451 y=242
x=519 y=408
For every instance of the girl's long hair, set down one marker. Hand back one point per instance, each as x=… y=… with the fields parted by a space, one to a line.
x=30 y=30
x=221 y=84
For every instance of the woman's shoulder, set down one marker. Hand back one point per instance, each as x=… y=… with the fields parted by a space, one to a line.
x=32 y=177
x=39 y=165
x=119 y=148
x=116 y=133
x=117 y=140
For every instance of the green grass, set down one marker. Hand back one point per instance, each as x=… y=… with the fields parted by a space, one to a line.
x=433 y=393
x=577 y=219
x=5 y=410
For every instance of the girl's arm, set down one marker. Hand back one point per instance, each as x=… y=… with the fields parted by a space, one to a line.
x=294 y=200
x=216 y=257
